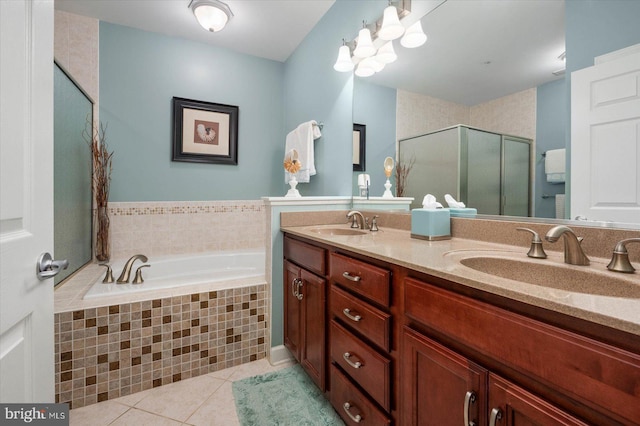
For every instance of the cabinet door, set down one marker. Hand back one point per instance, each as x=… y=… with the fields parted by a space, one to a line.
x=511 y=405
x=292 y=310
x=439 y=386
x=313 y=292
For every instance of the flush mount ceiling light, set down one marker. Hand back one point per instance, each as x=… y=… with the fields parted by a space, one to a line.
x=391 y=27
x=414 y=37
x=212 y=15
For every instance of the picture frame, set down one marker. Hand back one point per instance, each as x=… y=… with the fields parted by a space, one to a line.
x=359 y=147
x=204 y=132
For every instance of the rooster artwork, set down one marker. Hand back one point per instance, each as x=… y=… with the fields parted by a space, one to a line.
x=206 y=132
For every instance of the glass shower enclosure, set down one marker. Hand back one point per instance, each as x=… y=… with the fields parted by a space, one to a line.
x=486 y=170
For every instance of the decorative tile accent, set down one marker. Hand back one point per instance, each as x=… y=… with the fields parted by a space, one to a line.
x=112 y=351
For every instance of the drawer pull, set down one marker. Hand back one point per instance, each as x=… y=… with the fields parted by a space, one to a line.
x=296 y=284
x=357 y=418
x=356 y=364
x=470 y=397
x=347 y=313
x=354 y=278
x=496 y=414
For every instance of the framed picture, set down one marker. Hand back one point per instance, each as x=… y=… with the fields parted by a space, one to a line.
x=359 y=143
x=204 y=132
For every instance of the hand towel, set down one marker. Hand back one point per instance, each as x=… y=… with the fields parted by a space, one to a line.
x=560 y=206
x=301 y=139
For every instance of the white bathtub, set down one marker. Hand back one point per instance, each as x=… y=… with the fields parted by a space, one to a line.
x=222 y=270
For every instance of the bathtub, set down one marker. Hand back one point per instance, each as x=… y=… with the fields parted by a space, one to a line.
x=217 y=270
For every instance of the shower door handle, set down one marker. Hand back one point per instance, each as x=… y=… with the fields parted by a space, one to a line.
x=46 y=267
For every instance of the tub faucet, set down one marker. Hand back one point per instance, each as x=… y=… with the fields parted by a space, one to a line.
x=354 y=215
x=573 y=253
x=126 y=271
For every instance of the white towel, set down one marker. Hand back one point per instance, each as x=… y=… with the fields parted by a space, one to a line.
x=554 y=165
x=301 y=139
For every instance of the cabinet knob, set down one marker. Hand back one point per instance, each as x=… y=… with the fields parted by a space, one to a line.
x=347 y=407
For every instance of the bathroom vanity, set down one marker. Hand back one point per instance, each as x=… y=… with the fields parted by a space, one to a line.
x=415 y=337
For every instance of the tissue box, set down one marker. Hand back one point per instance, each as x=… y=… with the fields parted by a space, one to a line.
x=463 y=212
x=431 y=224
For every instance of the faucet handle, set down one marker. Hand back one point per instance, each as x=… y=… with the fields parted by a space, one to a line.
x=138 y=278
x=536 y=251
x=108 y=276
x=620 y=259
x=374 y=223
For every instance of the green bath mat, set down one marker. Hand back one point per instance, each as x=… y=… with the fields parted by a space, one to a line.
x=283 y=398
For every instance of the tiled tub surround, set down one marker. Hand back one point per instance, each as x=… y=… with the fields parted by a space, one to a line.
x=162 y=228
x=111 y=351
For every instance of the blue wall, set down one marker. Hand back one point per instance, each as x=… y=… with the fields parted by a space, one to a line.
x=140 y=72
x=375 y=107
x=551 y=123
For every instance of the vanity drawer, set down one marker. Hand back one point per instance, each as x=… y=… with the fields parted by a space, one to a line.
x=349 y=402
x=594 y=373
x=367 y=280
x=362 y=363
x=310 y=257
x=372 y=323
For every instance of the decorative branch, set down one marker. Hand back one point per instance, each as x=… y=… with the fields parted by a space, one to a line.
x=101 y=161
x=403 y=168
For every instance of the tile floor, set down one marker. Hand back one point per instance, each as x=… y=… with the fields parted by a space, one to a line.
x=203 y=400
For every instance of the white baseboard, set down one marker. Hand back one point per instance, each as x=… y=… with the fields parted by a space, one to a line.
x=279 y=354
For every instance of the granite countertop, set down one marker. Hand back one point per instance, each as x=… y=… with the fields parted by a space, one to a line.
x=616 y=307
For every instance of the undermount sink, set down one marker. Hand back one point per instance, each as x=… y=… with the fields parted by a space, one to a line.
x=555 y=276
x=338 y=231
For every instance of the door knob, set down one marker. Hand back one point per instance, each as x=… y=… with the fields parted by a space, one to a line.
x=47 y=267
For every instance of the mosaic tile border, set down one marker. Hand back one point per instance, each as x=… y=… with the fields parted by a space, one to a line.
x=112 y=351
x=174 y=208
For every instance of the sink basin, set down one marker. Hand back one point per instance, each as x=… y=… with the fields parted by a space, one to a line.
x=338 y=231
x=555 y=276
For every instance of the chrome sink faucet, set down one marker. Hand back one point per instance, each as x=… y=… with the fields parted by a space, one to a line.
x=573 y=253
x=354 y=215
x=126 y=271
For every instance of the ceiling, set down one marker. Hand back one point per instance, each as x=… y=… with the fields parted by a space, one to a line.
x=477 y=50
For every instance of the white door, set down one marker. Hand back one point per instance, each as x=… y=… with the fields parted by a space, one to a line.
x=26 y=200
x=605 y=141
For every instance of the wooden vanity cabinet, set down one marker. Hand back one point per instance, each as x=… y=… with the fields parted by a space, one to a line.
x=562 y=378
x=305 y=307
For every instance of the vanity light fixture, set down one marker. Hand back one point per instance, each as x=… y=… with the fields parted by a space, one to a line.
x=212 y=15
x=365 y=68
x=344 y=62
x=364 y=45
x=414 y=37
x=391 y=27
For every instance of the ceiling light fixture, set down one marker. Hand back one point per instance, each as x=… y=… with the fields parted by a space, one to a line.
x=386 y=54
x=414 y=37
x=212 y=15
x=391 y=27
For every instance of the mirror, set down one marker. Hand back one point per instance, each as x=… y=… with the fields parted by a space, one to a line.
x=448 y=85
x=359 y=147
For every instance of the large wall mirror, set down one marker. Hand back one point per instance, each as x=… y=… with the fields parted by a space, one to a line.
x=472 y=58
x=72 y=195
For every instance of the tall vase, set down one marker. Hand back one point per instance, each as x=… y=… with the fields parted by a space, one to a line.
x=103 y=235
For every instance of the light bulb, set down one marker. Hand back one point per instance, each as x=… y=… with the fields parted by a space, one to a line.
x=391 y=27
x=414 y=37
